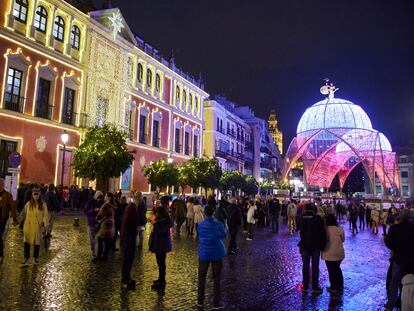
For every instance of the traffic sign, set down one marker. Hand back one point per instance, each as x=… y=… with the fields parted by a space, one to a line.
x=15 y=159
x=13 y=170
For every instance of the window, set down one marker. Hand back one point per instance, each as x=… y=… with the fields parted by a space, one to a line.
x=43 y=110
x=68 y=116
x=177 y=93
x=405 y=191
x=191 y=103
x=221 y=126
x=404 y=174
x=155 y=133
x=149 y=78
x=142 y=129
x=59 y=28
x=13 y=101
x=196 y=105
x=75 y=37
x=177 y=140
x=41 y=19
x=184 y=97
x=195 y=146
x=218 y=124
x=140 y=72
x=158 y=82
x=20 y=10
x=187 y=143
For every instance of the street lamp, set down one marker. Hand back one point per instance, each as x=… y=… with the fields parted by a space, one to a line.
x=64 y=137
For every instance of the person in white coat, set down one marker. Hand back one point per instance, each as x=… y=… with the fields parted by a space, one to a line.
x=292 y=210
x=251 y=221
x=334 y=254
x=35 y=223
x=198 y=212
x=190 y=216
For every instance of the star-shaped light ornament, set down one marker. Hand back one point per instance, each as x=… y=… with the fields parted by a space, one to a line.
x=117 y=23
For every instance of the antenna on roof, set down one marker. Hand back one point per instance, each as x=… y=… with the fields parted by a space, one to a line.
x=328 y=89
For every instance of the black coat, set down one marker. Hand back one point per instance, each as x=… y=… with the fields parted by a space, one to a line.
x=400 y=239
x=234 y=216
x=312 y=232
x=160 y=239
x=274 y=207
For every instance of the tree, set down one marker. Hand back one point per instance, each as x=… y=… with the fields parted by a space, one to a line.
x=162 y=174
x=103 y=154
x=232 y=180
x=250 y=186
x=209 y=172
x=188 y=174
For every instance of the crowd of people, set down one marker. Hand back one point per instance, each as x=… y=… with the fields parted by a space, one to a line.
x=113 y=217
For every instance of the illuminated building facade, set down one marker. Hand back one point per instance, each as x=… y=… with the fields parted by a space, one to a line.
x=333 y=137
x=274 y=130
x=227 y=137
x=42 y=46
x=62 y=69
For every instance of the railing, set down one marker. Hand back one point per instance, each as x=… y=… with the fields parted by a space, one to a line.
x=221 y=153
x=43 y=110
x=13 y=102
x=195 y=153
x=142 y=138
x=69 y=118
x=177 y=148
x=187 y=150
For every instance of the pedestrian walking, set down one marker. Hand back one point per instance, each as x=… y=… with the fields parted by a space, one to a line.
x=190 y=216
x=91 y=210
x=274 y=210
x=53 y=206
x=141 y=204
x=400 y=240
x=251 y=219
x=7 y=207
x=160 y=241
x=353 y=217
x=211 y=251
x=383 y=220
x=35 y=223
x=312 y=242
x=129 y=230
x=375 y=219
x=198 y=212
x=291 y=212
x=180 y=214
x=334 y=253
x=233 y=222
x=106 y=230
x=361 y=214
x=120 y=206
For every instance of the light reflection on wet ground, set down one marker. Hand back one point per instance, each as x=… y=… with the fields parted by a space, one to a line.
x=264 y=275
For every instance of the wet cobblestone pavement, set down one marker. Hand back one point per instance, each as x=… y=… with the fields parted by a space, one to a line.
x=264 y=275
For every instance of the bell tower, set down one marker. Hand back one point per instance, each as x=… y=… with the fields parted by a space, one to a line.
x=274 y=130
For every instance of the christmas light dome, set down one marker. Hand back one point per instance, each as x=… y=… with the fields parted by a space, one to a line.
x=334 y=113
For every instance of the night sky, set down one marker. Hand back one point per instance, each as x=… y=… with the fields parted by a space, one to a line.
x=274 y=54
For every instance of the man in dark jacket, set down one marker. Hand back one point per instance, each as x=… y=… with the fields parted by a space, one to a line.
x=312 y=242
x=128 y=243
x=53 y=206
x=400 y=240
x=233 y=222
x=211 y=250
x=6 y=207
x=274 y=210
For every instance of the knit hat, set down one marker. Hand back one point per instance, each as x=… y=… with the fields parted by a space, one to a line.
x=98 y=193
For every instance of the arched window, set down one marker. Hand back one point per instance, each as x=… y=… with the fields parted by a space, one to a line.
x=20 y=10
x=184 y=97
x=196 y=106
x=158 y=82
x=149 y=78
x=75 y=37
x=177 y=92
x=41 y=19
x=140 y=72
x=191 y=103
x=59 y=28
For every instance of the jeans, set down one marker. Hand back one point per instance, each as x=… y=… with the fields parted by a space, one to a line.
x=275 y=222
x=27 y=251
x=306 y=257
x=161 y=266
x=128 y=244
x=361 y=222
x=2 y=227
x=250 y=229
x=336 y=277
x=217 y=267
x=92 y=234
x=104 y=244
x=392 y=293
x=233 y=237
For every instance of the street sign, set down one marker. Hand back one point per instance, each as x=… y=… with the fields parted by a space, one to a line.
x=13 y=170
x=15 y=159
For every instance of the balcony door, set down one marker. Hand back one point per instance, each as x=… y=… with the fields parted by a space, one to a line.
x=43 y=110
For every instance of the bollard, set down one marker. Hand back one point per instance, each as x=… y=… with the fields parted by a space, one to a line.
x=76 y=222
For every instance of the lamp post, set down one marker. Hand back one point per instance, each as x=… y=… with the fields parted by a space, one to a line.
x=64 y=137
